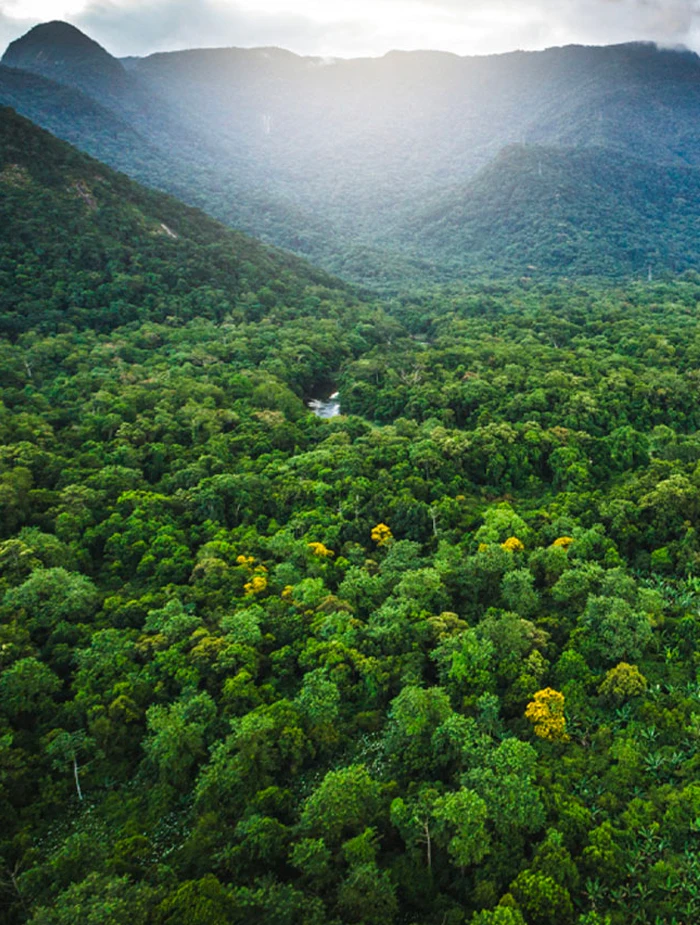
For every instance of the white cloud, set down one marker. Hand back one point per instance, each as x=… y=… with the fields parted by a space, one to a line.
x=358 y=27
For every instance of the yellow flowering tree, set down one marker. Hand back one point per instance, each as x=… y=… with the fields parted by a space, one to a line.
x=513 y=544
x=563 y=542
x=381 y=534
x=318 y=549
x=257 y=575
x=256 y=585
x=546 y=712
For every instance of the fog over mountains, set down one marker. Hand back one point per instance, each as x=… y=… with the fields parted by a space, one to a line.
x=414 y=165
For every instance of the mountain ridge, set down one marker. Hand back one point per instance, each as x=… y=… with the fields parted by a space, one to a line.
x=339 y=159
x=526 y=209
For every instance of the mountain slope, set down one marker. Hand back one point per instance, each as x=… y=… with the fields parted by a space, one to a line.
x=585 y=211
x=339 y=159
x=371 y=136
x=82 y=244
x=71 y=86
x=78 y=119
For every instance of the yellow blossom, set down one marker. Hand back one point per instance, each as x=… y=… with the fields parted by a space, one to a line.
x=563 y=541
x=256 y=585
x=381 y=534
x=318 y=549
x=513 y=544
x=546 y=712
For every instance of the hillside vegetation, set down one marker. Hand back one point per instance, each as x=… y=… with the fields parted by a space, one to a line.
x=431 y=661
x=82 y=244
x=584 y=212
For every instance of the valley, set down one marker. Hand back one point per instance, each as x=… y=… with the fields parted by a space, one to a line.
x=365 y=165
x=361 y=591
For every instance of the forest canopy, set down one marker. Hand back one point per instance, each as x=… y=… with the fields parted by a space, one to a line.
x=431 y=661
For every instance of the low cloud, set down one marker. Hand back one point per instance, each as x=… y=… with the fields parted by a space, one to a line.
x=369 y=26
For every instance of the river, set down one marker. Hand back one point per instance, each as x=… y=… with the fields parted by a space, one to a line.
x=326 y=408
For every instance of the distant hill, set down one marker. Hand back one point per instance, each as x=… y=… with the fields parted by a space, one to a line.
x=587 y=211
x=364 y=141
x=82 y=244
x=345 y=161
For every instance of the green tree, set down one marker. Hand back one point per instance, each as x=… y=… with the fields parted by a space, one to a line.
x=501 y=915
x=50 y=596
x=623 y=682
x=27 y=691
x=65 y=749
x=345 y=802
x=102 y=900
x=612 y=630
x=460 y=826
x=542 y=899
x=198 y=902
x=178 y=736
x=414 y=716
x=506 y=782
x=367 y=895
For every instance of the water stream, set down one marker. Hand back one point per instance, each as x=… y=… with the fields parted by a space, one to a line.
x=326 y=408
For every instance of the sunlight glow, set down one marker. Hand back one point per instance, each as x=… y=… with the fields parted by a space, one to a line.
x=375 y=26
x=43 y=9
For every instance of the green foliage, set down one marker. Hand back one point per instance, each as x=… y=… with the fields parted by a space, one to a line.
x=460 y=820
x=501 y=915
x=27 y=688
x=197 y=902
x=367 y=895
x=543 y=900
x=100 y=900
x=623 y=681
x=414 y=717
x=347 y=740
x=50 y=597
x=345 y=801
x=612 y=629
x=112 y=252
x=178 y=735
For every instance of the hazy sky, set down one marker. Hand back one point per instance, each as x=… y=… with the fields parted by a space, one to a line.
x=361 y=27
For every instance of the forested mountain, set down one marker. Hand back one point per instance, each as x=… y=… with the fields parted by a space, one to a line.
x=431 y=661
x=83 y=245
x=340 y=160
x=588 y=211
x=78 y=119
x=123 y=123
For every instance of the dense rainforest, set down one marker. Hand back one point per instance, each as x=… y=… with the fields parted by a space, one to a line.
x=430 y=662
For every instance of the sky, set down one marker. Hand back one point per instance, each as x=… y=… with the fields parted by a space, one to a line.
x=351 y=28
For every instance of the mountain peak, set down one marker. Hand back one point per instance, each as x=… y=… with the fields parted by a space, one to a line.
x=61 y=52
x=57 y=31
